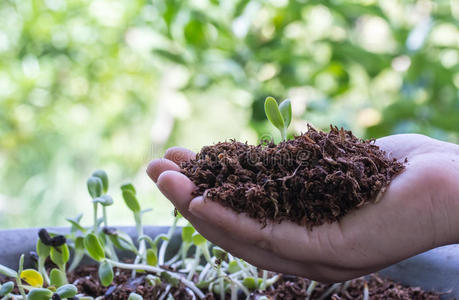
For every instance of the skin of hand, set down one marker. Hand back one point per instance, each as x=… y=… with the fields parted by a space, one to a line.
x=418 y=211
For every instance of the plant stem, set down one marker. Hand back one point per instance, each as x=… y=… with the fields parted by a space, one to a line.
x=158 y=271
x=195 y=263
x=162 y=250
x=142 y=247
x=284 y=134
x=263 y=282
x=95 y=217
x=110 y=247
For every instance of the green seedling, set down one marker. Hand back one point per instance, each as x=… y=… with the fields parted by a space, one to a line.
x=279 y=115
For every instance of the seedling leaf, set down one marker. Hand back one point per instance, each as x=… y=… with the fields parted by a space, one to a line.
x=6 y=288
x=285 y=109
x=57 y=277
x=273 y=114
x=131 y=200
x=128 y=187
x=105 y=273
x=152 y=258
x=67 y=291
x=60 y=255
x=32 y=277
x=42 y=249
x=39 y=294
x=198 y=239
x=94 y=248
x=105 y=200
x=103 y=177
x=187 y=234
x=7 y=271
x=134 y=296
x=250 y=283
x=95 y=186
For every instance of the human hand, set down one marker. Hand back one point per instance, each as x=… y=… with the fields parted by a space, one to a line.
x=418 y=211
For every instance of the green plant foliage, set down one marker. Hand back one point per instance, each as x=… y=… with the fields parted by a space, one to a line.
x=6 y=288
x=103 y=177
x=32 y=277
x=39 y=294
x=60 y=255
x=95 y=186
x=67 y=291
x=7 y=271
x=57 y=277
x=104 y=200
x=131 y=201
x=105 y=273
x=94 y=247
x=42 y=249
x=134 y=296
x=273 y=114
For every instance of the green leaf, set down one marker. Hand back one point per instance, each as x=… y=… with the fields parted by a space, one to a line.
x=105 y=200
x=219 y=253
x=42 y=249
x=273 y=114
x=250 y=283
x=103 y=177
x=76 y=223
x=187 y=234
x=152 y=259
x=67 y=291
x=93 y=246
x=198 y=239
x=6 y=288
x=32 y=277
x=131 y=201
x=128 y=187
x=60 y=255
x=134 y=296
x=233 y=267
x=285 y=109
x=165 y=276
x=7 y=271
x=95 y=186
x=39 y=294
x=105 y=273
x=122 y=241
x=57 y=277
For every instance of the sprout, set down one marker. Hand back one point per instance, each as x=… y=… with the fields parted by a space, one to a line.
x=94 y=248
x=106 y=273
x=279 y=115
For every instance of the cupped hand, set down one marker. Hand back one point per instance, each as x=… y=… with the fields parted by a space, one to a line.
x=418 y=211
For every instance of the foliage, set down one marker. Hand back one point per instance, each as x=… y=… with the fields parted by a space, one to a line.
x=114 y=82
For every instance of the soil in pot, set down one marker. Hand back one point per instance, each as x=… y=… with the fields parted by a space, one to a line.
x=85 y=278
x=316 y=177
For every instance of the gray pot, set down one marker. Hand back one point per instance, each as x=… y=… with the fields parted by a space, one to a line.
x=436 y=270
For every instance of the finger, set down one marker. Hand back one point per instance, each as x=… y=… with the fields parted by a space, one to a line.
x=178 y=188
x=179 y=154
x=158 y=166
x=286 y=239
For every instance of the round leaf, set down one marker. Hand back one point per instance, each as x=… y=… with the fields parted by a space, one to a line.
x=94 y=248
x=134 y=296
x=6 y=288
x=187 y=234
x=103 y=177
x=198 y=239
x=250 y=283
x=32 y=277
x=39 y=294
x=42 y=249
x=285 y=109
x=60 y=255
x=219 y=253
x=105 y=273
x=95 y=186
x=152 y=259
x=67 y=291
x=273 y=114
x=131 y=200
x=57 y=277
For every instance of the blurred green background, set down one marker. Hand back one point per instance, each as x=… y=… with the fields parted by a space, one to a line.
x=111 y=84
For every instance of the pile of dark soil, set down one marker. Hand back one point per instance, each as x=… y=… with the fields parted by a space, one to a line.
x=316 y=177
x=286 y=288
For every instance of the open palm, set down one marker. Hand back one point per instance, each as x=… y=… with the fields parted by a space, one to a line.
x=416 y=213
